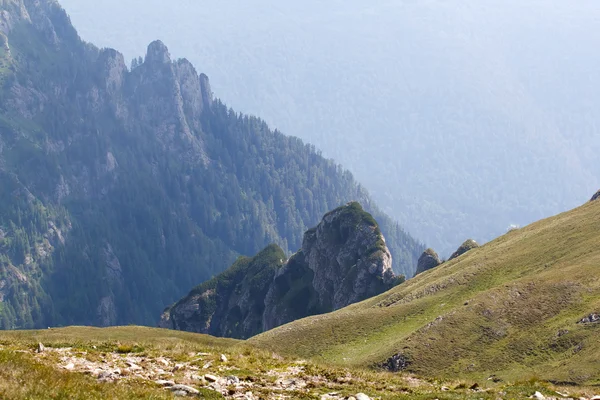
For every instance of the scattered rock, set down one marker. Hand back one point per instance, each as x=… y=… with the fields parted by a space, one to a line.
x=590 y=319
x=445 y=388
x=184 y=388
x=207 y=365
x=69 y=366
x=396 y=363
x=362 y=396
x=177 y=367
x=40 y=348
x=223 y=358
x=428 y=260
x=233 y=380
x=538 y=396
x=596 y=397
x=162 y=382
x=133 y=367
x=211 y=378
x=180 y=393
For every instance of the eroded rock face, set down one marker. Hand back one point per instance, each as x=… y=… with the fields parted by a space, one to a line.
x=468 y=245
x=596 y=196
x=342 y=261
x=428 y=260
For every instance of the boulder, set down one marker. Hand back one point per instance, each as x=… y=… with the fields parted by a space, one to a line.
x=596 y=196
x=465 y=247
x=428 y=260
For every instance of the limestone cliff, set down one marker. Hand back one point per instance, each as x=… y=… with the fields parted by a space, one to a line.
x=342 y=261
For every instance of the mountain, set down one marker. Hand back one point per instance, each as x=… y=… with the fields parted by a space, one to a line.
x=343 y=260
x=461 y=117
x=121 y=188
x=523 y=305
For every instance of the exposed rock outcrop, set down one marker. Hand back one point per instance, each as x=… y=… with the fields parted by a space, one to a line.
x=596 y=196
x=342 y=261
x=468 y=245
x=428 y=260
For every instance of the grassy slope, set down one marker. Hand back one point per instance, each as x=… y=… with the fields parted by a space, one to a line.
x=502 y=307
x=27 y=375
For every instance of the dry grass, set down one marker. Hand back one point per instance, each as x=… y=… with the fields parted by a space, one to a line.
x=27 y=375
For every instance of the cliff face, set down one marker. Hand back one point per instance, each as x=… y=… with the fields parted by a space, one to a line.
x=342 y=261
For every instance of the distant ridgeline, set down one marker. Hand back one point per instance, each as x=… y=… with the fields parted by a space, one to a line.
x=342 y=261
x=120 y=188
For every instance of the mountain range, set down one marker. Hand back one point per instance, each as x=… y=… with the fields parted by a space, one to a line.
x=460 y=117
x=124 y=188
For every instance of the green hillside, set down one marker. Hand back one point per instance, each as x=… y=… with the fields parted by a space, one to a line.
x=143 y=363
x=509 y=309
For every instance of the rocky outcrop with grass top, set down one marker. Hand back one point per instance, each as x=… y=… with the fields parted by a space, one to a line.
x=467 y=246
x=428 y=260
x=342 y=261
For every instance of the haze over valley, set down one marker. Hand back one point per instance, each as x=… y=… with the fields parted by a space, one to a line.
x=461 y=118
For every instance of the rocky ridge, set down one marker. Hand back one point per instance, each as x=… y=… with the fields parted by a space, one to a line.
x=144 y=174
x=342 y=261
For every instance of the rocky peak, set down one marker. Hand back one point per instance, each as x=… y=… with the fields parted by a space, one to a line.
x=343 y=260
x=347 y=242
x=158 y=53
x=428 y=260
x=596 y=196
x=468 y=245
x=14 y=11
x=112 y=69
x=207 y=94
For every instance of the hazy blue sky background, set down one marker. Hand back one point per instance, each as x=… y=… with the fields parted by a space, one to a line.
x=461 y=117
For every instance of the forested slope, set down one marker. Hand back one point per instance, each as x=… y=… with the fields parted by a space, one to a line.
x=461 y=117
x=122 y=189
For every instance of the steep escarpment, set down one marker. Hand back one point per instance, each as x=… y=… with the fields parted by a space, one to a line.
x=120 y=186
x=342 y=261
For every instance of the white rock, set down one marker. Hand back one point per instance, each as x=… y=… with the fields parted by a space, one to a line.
x=40 y=348
x=595 y=398
x=180 y=393
x=184 y=388
x=69 y=366
x=133 y=366
x=362 y=396
x=538 y=396
x=178 y=367
x=162 y=382
x=207 y=365
x=223 y=358
x=211 y=378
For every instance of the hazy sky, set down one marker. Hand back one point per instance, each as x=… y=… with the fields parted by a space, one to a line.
x=461 y=117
